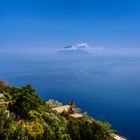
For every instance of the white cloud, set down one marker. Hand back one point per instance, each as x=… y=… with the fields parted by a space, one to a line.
x=82 y=47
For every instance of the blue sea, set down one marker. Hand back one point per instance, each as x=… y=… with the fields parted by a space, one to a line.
x=105 y=86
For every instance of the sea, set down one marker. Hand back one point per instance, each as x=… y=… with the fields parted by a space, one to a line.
x=107 y=87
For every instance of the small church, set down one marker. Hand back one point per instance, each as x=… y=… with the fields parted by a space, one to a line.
x=70 y=108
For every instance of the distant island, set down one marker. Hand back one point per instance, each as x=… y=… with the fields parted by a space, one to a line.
x=24 y=116
x=80 y=48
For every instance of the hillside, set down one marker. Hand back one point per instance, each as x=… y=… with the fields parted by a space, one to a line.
x=24 y=116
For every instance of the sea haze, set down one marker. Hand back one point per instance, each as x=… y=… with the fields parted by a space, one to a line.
x=105 y=86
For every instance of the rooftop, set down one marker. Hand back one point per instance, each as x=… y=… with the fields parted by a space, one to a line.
x=76 y=115
x=60 y=109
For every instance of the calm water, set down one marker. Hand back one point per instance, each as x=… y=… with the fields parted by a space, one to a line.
x=107 y=87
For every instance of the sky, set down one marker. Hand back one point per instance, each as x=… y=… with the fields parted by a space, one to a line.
x=37 y=24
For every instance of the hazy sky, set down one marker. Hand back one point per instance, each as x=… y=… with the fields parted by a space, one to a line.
x=56 y=23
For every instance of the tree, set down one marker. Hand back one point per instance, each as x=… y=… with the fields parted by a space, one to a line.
x=6 y=124
x=48 y=134
x=73 y=129
x=25 y=102
x=19 y=133
x=13 y=91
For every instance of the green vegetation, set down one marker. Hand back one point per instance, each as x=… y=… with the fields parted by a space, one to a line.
x=31 y=118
